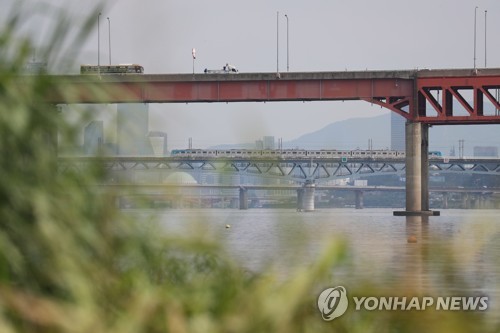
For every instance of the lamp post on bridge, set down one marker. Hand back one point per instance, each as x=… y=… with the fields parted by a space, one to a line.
x=277 y=44
x=193 y=53
x=109 y=37
x=475 y=21
x=287 y=48
x=485 y=39
x=98 y=46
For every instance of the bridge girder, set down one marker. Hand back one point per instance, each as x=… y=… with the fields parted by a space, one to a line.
x=426 y=96
x=294 y=170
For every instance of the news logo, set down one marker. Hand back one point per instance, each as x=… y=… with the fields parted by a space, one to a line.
x=333 y=302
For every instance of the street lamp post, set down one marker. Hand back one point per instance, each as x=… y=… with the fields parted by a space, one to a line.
x=277 y=43
x=193 y=53
x=109 y=36
x=98 y=45
x=485 y=39
x=475 y=20
x=287 y=49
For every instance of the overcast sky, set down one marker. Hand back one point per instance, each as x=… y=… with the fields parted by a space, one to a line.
x=324 y=35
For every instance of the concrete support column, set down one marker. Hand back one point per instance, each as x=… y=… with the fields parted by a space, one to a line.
x=417 y=170
x=445 y=200
x=233 y=203
x=465 y=200
x=300 y=199
x=473 y=202
x=424 y=169
x=308 y=198
x=359 y=199
x=413 y=167
x=482 y=201
x=243 y=198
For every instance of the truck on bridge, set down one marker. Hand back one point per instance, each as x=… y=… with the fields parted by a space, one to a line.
x=227 y=69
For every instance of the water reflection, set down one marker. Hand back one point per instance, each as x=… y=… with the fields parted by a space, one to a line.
x=417 y=249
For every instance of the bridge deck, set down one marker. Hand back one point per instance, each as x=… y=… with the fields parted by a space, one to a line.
x=414 y=94
x=331 y=75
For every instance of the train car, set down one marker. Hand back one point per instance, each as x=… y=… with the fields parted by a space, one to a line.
x=435 y=154
x=111 y=69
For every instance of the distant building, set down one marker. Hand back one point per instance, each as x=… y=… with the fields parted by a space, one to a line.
x=93 y=137
x=397 y=132
x=268 y=142
x=259 y=144
x=35 y=67
x=159 y=142
x=485 y=151
x=133 y=130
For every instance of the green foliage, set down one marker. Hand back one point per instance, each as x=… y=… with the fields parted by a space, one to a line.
x=70 y=261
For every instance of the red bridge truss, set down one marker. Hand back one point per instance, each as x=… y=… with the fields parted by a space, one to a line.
x=463 y=96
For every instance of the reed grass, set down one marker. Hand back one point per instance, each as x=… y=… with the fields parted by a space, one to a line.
x=71 y=261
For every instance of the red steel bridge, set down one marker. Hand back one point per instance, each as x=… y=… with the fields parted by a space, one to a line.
x=423 y=97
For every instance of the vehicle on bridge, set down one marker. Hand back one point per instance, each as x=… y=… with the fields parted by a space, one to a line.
x=112 y=69
x=227 y=69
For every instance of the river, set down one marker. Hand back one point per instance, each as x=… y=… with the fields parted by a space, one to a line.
x=440 y=255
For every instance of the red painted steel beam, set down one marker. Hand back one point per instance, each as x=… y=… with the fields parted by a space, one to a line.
x=423 y=96
x=462 y=99
x=194 y=91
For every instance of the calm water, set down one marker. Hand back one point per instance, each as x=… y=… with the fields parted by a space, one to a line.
x=460 y=249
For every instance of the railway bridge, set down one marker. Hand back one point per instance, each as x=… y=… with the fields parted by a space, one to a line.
x=301 y=174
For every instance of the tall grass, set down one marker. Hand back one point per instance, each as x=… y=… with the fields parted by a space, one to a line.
x=70 y=261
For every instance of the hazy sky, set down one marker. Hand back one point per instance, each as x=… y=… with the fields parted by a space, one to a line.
x=324 y=35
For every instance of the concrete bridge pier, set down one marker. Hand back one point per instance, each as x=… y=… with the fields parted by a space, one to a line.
x=233 y=203
x=417 y=170
x=465 y=201
x=308 y=197
x=300 y=199
x=359 y=199
x=243 y=198
x=445 y=200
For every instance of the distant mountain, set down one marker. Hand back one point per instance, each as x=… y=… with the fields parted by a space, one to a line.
x=354 y=133
x=347 y=134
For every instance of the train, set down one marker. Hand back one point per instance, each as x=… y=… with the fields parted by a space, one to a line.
x=112 y=69
x=291 y=153
x=284 y=153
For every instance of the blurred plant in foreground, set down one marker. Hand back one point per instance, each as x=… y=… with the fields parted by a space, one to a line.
x=71 y=262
